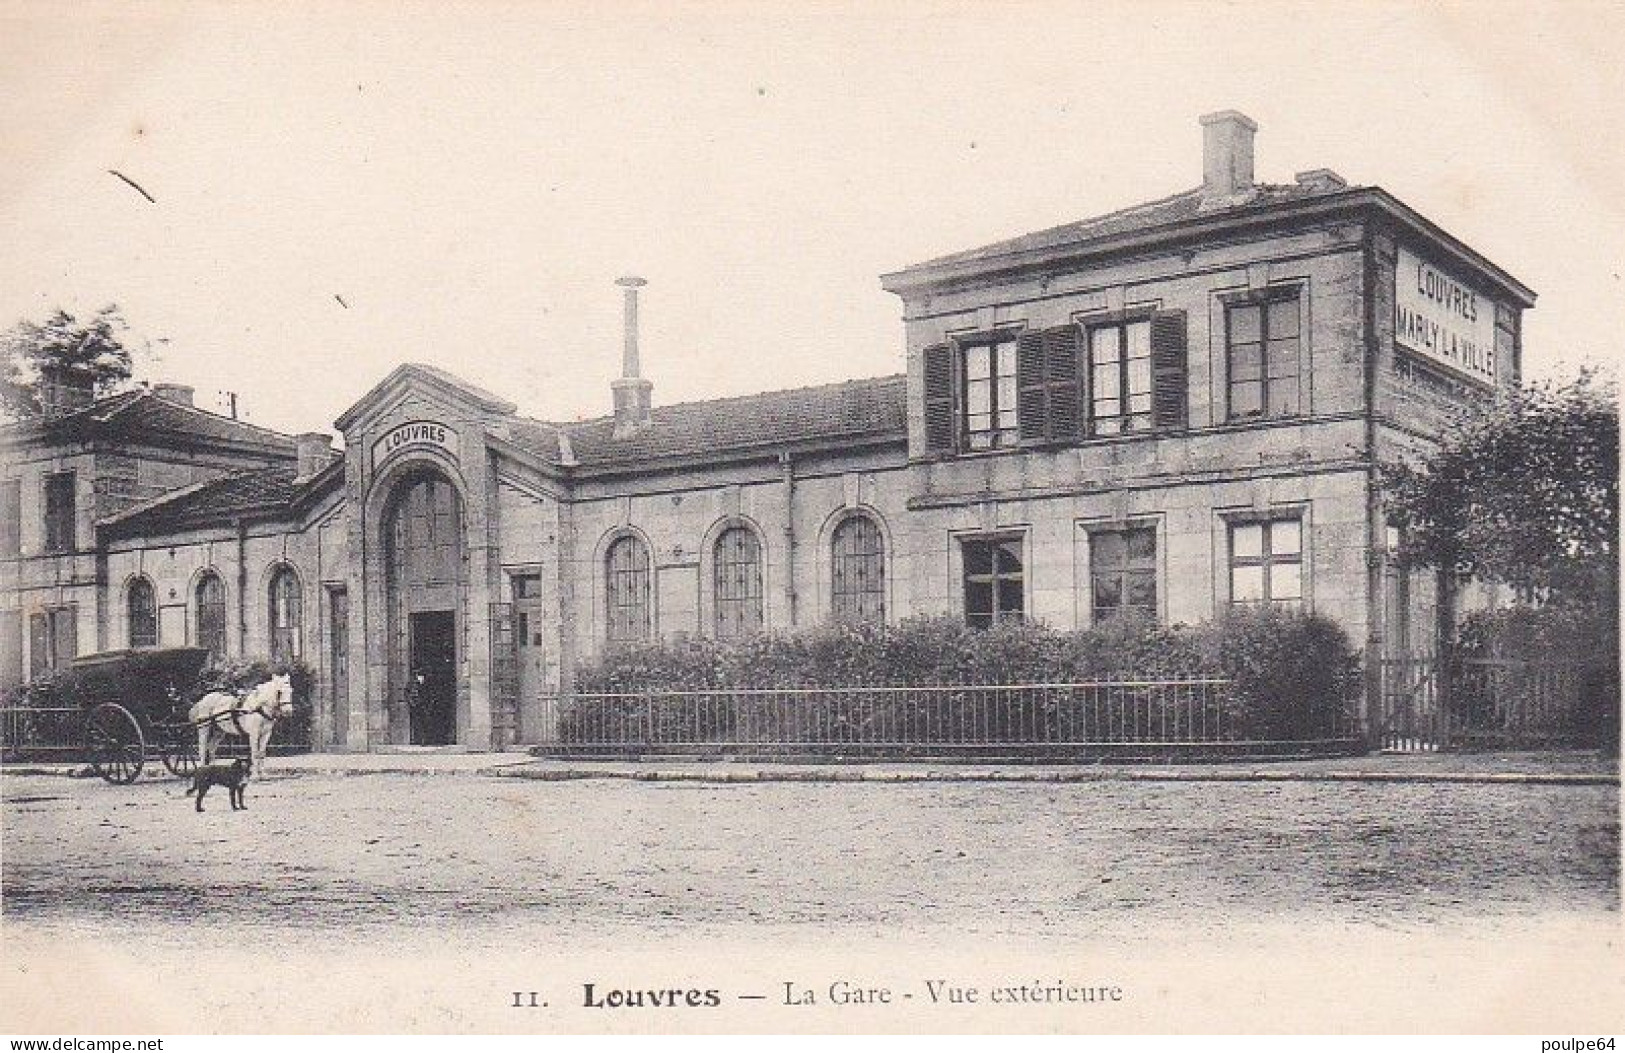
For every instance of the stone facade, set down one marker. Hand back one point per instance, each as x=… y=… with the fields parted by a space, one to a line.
x=541 y=510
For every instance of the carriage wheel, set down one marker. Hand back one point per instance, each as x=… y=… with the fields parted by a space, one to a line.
x=116 y=747
x=180 y=751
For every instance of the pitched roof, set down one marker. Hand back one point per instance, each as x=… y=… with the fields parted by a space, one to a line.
x=435 y=376
x=830 y=413
x=142 y=415
x=1175 y=208
x=254 y=492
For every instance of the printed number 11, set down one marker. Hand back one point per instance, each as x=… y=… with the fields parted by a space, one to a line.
x=528 y=1000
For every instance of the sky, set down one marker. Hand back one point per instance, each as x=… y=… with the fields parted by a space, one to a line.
x=471 y=178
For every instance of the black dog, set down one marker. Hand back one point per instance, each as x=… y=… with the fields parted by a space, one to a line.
x=232 y=776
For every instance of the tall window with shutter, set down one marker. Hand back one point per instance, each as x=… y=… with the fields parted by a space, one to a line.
x=1137 y=374
x=990 y=394
x=1038 y=387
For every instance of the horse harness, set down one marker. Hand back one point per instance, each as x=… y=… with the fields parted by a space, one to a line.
x=236 y=714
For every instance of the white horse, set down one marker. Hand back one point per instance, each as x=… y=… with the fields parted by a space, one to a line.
x=252 y=715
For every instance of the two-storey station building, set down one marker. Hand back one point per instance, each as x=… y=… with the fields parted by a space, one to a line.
x=1169 y=410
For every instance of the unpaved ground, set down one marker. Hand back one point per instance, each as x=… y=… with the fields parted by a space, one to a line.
x=1080 y=861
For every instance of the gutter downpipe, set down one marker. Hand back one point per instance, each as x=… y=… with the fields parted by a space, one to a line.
x=787 y=469
x=1376 y=535
x=242 y=588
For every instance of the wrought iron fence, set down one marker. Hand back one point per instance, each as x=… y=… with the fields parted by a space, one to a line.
x=58 y=734
x=43 y=733
x=1496 y=703
x=1506 y=703
x=1128 y=718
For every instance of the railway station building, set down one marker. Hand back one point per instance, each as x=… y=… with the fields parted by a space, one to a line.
x=1170 y=409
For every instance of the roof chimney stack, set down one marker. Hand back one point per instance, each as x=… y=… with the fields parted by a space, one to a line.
x=632 y=392
x=1227 y=158
x=315 y=453
x=178 y=394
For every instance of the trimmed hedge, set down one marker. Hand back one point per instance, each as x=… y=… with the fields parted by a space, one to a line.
x=1295 y=676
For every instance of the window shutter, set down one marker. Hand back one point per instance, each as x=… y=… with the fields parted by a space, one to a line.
x=66 y=625
x=1062 y=346
x=1032 y=387
x=39 y=645
x=1168 y=371
x=11 y=517
x=941 y=425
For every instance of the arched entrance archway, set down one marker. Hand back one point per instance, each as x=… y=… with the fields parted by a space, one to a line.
x=424 y=589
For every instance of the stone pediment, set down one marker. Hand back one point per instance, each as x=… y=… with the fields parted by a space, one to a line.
x=417 y=389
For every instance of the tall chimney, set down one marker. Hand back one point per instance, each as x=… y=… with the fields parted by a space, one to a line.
x=179 y=394
x=1227 y=157
x=632 y=392
x=315 y=453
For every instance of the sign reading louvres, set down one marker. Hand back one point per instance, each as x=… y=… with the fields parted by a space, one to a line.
x=1443 y=320
x=418 y=434
x=1053 y=380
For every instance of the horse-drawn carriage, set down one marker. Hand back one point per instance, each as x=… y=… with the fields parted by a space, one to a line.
x=124 y=708
x=135 y=706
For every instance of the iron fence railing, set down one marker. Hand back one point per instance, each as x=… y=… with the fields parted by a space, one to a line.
x=1482 y=703
x=1112 y=716
x=58 y=733
x=1506 y=703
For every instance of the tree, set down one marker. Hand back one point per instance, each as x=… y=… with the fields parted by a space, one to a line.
x=33 y=356
x=1524 y=492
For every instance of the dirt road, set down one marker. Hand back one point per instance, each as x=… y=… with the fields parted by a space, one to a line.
x=978 y=860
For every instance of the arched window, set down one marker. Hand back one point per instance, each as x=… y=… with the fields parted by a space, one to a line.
x=285 y=614
x=737 y=583
x=858 y=571
x=211 y=614
x=141 y=604
x=626 y=567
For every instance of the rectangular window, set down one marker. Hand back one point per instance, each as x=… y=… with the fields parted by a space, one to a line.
x=526 y=586
x=1266 y=561
x=60 y=512
x=1120 y=378
x=995 y=580
x=11 y=518
x=1262 y=345
x=990 y=394
x=1123 y=573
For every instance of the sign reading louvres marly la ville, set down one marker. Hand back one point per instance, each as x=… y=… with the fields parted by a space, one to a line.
x=1443 y=320
x=418 y=433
